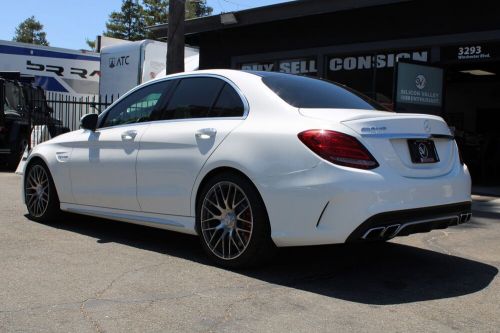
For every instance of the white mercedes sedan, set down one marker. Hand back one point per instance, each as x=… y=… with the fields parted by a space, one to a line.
x=250 y=161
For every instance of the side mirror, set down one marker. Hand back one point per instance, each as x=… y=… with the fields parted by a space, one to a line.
x=89 y=121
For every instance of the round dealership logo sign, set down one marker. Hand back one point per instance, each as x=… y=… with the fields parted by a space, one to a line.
x=420 y=81
x=423 y=151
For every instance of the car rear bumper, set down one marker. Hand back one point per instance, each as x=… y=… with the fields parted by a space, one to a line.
x=388 y=225
x=328 y=205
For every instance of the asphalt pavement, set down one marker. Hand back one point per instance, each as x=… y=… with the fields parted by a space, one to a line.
x=90 y=275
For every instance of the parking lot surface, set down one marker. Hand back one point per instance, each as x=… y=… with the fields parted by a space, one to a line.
x=89 y=275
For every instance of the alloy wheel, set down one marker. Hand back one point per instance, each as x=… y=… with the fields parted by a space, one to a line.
x=226 y=220
x=37 y=191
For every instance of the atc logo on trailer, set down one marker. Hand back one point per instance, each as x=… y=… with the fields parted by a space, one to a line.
x=71 y=72
x=125 y=65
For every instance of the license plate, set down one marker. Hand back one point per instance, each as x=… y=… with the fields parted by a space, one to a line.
x=423 y=151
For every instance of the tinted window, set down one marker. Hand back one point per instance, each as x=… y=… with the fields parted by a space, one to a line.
x=228 y=104
x=193 y=98
x=138 y=106
x=305 y=92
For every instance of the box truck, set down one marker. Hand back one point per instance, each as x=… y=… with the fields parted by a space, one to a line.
x=128 y=64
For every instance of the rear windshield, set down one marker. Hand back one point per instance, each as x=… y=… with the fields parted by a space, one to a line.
x=306 y=92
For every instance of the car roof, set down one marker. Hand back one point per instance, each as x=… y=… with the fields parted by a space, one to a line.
x=229 y=73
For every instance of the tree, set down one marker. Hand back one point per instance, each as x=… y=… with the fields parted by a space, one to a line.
x=128 y=23
x=90 y=43
x=131 y=21
x=155 y=12
x=31 y=31
x=197 y=8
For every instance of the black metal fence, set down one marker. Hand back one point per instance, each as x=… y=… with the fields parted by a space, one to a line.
x=29 y=115
x=52 y=114
x=69 y=109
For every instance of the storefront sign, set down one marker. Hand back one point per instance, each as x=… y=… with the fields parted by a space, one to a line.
x=298 y=66
x=471 y=52
x=379 y=60
x=419 y=85
x=292 y=66
x=258 y=66
x=371 y=73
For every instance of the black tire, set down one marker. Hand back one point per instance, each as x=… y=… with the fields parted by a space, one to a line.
x=259 y=246
x=37 y=172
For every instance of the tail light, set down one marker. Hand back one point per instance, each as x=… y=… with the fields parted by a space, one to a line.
x=338 y=148
x=3 y=130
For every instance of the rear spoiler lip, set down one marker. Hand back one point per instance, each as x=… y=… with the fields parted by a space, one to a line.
x=408 y=136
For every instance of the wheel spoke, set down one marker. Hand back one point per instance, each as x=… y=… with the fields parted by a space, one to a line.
x=241 y=212
x=212 y=238
x=239 y=237
x=212 y=228
x=234 y=198
x=31 y=204
x=32 y=179
x=235 y=245
x=245 y=221
x=220 y=238
x=215 y=205
x=215 y=218
x=239 y=203
x=208 y=210
x=246 y=231
x=223 y=245
x=223 y=197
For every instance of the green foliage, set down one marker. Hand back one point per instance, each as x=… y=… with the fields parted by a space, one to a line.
x=90 y=43
x=198 y=9
x=156 y=12
x=128 y=23
x=31 y=31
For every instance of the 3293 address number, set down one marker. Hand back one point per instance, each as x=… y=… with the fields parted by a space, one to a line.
x=469 y=50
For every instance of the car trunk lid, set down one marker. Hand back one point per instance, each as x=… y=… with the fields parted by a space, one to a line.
x=393 y=138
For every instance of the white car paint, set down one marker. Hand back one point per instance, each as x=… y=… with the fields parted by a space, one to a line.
x=172 y=154
x=297 y=186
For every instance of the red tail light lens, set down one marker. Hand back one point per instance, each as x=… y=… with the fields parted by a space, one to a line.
x=338 y=148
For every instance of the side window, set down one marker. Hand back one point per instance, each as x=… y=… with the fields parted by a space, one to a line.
x=193 y=98
x=138 y=106
x=228 y=104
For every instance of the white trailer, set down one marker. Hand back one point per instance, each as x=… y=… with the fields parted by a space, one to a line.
x=128 y=64
x=72 y=72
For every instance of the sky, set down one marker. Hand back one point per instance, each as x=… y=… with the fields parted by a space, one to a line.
x=69 y=22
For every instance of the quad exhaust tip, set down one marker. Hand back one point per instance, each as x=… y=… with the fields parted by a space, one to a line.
x=382 y=232
x=391 y=231
x=465 y=218
x=374 y=233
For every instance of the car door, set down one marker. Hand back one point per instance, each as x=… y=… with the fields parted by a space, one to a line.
x=103 y=162
x=201 y=112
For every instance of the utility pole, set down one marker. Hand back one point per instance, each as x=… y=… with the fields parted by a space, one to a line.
x=175 y=36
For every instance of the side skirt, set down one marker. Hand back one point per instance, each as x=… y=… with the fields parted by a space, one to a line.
x=183 y=224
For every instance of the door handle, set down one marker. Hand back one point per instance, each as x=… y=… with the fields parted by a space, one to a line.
x=129 y=135
x=205 y=133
